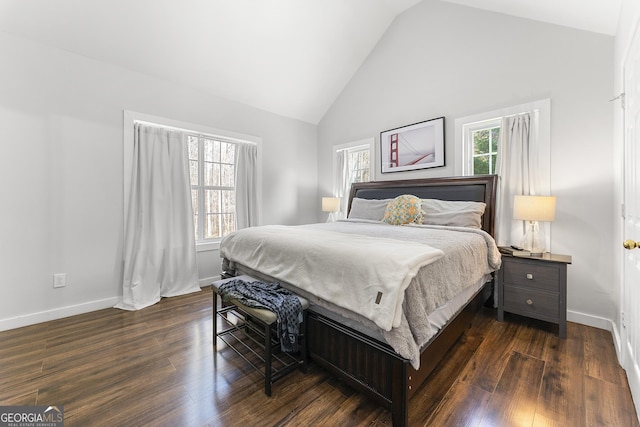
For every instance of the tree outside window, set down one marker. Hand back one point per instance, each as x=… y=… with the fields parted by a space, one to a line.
x=485 y=150
x=213 y=194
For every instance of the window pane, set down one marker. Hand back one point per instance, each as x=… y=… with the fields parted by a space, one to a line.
x=228 y=152
x=227 y=172
x=212 y=201
x=495 y=138
x=212 y=226
x=216 y=151
x=228 y=202
x=481 y=141
x=193 y=147
x=481 y=165
x=212 y=174
x=228 y=223
x=193 y=172
x=494 y=159
x=208 y=150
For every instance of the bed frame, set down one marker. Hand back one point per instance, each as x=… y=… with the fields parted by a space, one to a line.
x=373 y=367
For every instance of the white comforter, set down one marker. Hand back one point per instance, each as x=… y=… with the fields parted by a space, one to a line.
x=469 y=256
x=367 y=275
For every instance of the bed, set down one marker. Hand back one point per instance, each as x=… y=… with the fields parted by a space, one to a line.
x=365 y=352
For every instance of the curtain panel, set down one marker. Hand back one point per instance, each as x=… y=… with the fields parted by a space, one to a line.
x=246 y=185
x=518 y=171
x=341 y=183
x=159 y=242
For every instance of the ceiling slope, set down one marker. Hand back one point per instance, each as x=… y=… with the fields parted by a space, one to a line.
x=289 y=57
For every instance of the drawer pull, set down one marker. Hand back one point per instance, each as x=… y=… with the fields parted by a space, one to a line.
x=529 y=276
x=529 y=302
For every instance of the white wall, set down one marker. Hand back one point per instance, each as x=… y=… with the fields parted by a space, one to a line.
x=440 y=59
x=61 y=173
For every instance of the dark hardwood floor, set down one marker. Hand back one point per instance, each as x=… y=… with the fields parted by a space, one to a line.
x=157 y=367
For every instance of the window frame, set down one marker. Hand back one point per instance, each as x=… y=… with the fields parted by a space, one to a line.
x=354 y=145
x=129 y=117
x=468 y=130
x=542 y=130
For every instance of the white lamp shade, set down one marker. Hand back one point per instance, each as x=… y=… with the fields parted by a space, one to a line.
x=534 y=208
x=330 y=204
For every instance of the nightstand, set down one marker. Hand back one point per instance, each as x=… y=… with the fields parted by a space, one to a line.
x=536 y=287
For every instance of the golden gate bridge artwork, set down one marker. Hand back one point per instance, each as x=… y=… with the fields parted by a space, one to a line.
x=411 y=147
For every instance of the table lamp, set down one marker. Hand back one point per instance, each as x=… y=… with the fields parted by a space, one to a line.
x=533 y=209
x=331 y=205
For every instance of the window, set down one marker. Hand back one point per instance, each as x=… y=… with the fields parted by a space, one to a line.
x=478 y=140
x=213 y=194
x=483 y=139
x=352 y=163
x=358 y=164
x=212 y=163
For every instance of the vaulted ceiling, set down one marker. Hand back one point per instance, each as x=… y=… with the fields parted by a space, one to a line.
x=290 y=57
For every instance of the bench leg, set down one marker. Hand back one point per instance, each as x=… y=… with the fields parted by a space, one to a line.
x=215 y=320
x=304 y=355
x=267 y=360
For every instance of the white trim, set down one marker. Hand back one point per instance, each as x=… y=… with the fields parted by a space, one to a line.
x=57 y=313
x=210 y=245
x=590 y=320
x=207 y=281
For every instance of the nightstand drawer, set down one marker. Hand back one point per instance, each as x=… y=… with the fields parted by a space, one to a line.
x=532 y=274
x=531 y=302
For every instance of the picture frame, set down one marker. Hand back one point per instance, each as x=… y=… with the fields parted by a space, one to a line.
x=413 y=147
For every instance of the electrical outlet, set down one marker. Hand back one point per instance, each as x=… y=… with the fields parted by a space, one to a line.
x=59 y=280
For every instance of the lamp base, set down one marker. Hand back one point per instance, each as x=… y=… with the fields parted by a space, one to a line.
x=533 y=241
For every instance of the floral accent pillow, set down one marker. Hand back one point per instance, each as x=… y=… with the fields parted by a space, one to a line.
x=405 y=209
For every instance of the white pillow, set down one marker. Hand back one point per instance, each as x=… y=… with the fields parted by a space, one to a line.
x=455 y=214
x=371 y=209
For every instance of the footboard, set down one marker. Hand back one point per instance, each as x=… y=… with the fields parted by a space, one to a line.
x=367 y=365
x=373 y=367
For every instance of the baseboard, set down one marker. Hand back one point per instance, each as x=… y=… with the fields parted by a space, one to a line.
x=207 y=281
x=72 y=310
x=590 y=320
x=58 y=313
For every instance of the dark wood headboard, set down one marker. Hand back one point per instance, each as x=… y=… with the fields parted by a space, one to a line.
x=481 y=188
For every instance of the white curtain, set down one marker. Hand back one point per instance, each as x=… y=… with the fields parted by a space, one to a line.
x=246 y=185
x=341 y=182
x=159 y=241
x=517 y=167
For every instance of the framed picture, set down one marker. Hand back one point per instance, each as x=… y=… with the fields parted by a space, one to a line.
x=417 y=146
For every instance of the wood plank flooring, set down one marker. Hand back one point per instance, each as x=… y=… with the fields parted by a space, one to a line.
x=157 y=367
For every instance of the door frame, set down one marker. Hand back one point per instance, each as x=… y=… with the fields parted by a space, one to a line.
x=631 y=367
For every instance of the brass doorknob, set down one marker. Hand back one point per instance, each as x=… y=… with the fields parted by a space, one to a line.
x=631 y=244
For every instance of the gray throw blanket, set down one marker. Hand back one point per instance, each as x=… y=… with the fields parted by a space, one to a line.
x=273 y=297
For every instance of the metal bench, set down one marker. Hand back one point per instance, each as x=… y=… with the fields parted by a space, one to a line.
x=251 y=333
